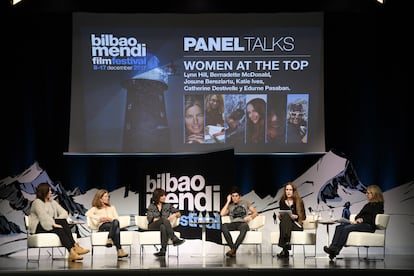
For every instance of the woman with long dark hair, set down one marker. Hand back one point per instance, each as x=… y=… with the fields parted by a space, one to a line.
x=255 y=127
x=291 y=217
x=48 y=216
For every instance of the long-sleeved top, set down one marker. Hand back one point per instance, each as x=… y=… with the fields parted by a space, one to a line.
x=166 y=210
x=297 y=210
x=369 y=212
x=95 y=214
x=45 y=213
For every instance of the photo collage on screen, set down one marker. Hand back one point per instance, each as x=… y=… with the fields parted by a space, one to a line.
x=236 y=119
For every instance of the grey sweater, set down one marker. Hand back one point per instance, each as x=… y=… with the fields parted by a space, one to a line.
x=45 y=213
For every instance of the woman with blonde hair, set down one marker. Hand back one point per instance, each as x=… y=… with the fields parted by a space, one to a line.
x=194 y=119
x=104 y=217
x=364 y=221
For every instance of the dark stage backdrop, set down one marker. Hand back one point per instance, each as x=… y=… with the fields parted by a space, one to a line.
x=367 y=114
x=196 y=184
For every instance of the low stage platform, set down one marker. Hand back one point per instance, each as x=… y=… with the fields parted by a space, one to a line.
x=218 y=265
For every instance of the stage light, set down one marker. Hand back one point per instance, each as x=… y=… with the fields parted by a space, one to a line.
x=14 y=2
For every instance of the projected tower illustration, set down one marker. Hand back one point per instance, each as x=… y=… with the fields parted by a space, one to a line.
x=146 y=125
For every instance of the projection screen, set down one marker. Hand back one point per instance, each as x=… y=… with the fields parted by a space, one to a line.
x=196 y=83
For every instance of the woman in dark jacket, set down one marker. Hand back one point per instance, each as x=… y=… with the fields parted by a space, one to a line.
x=364 y=221
x=159 y=215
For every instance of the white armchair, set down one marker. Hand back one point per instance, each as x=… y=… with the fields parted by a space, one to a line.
x=253 y=237
x=307 y=236
x=42 y=240
x=303 y=238
x=367 y=239
x=147 y=237
x=100 y=238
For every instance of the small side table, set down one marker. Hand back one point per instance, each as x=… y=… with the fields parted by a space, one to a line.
x=327 y=223
x=203 y=224
x=74 y=226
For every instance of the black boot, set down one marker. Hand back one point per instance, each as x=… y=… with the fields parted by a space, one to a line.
x=331 y=251
x=327 y=250
x=160 y=253
x=287 y=246
x=283 y=254
x=178 y=241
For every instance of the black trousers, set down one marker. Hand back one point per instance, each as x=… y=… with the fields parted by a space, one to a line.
x=166 y=231
x=114 y=232
x=342 y=232
x=286 y=226
x=241 y=226
x=64 y=233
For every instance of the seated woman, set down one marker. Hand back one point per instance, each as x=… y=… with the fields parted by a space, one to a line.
x=159 y=215
x=292 y=220
x=364 y=221
x=48 y=216
x=104 y=217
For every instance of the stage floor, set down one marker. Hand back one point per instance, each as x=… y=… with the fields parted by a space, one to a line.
x=246 y=264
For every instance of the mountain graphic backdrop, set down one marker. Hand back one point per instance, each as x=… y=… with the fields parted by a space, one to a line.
x=325 y=188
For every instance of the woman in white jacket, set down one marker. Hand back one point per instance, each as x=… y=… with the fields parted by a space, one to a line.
x=104 y=217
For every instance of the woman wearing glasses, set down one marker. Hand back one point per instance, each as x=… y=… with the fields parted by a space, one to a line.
x=297 y=124
x=364 y=221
